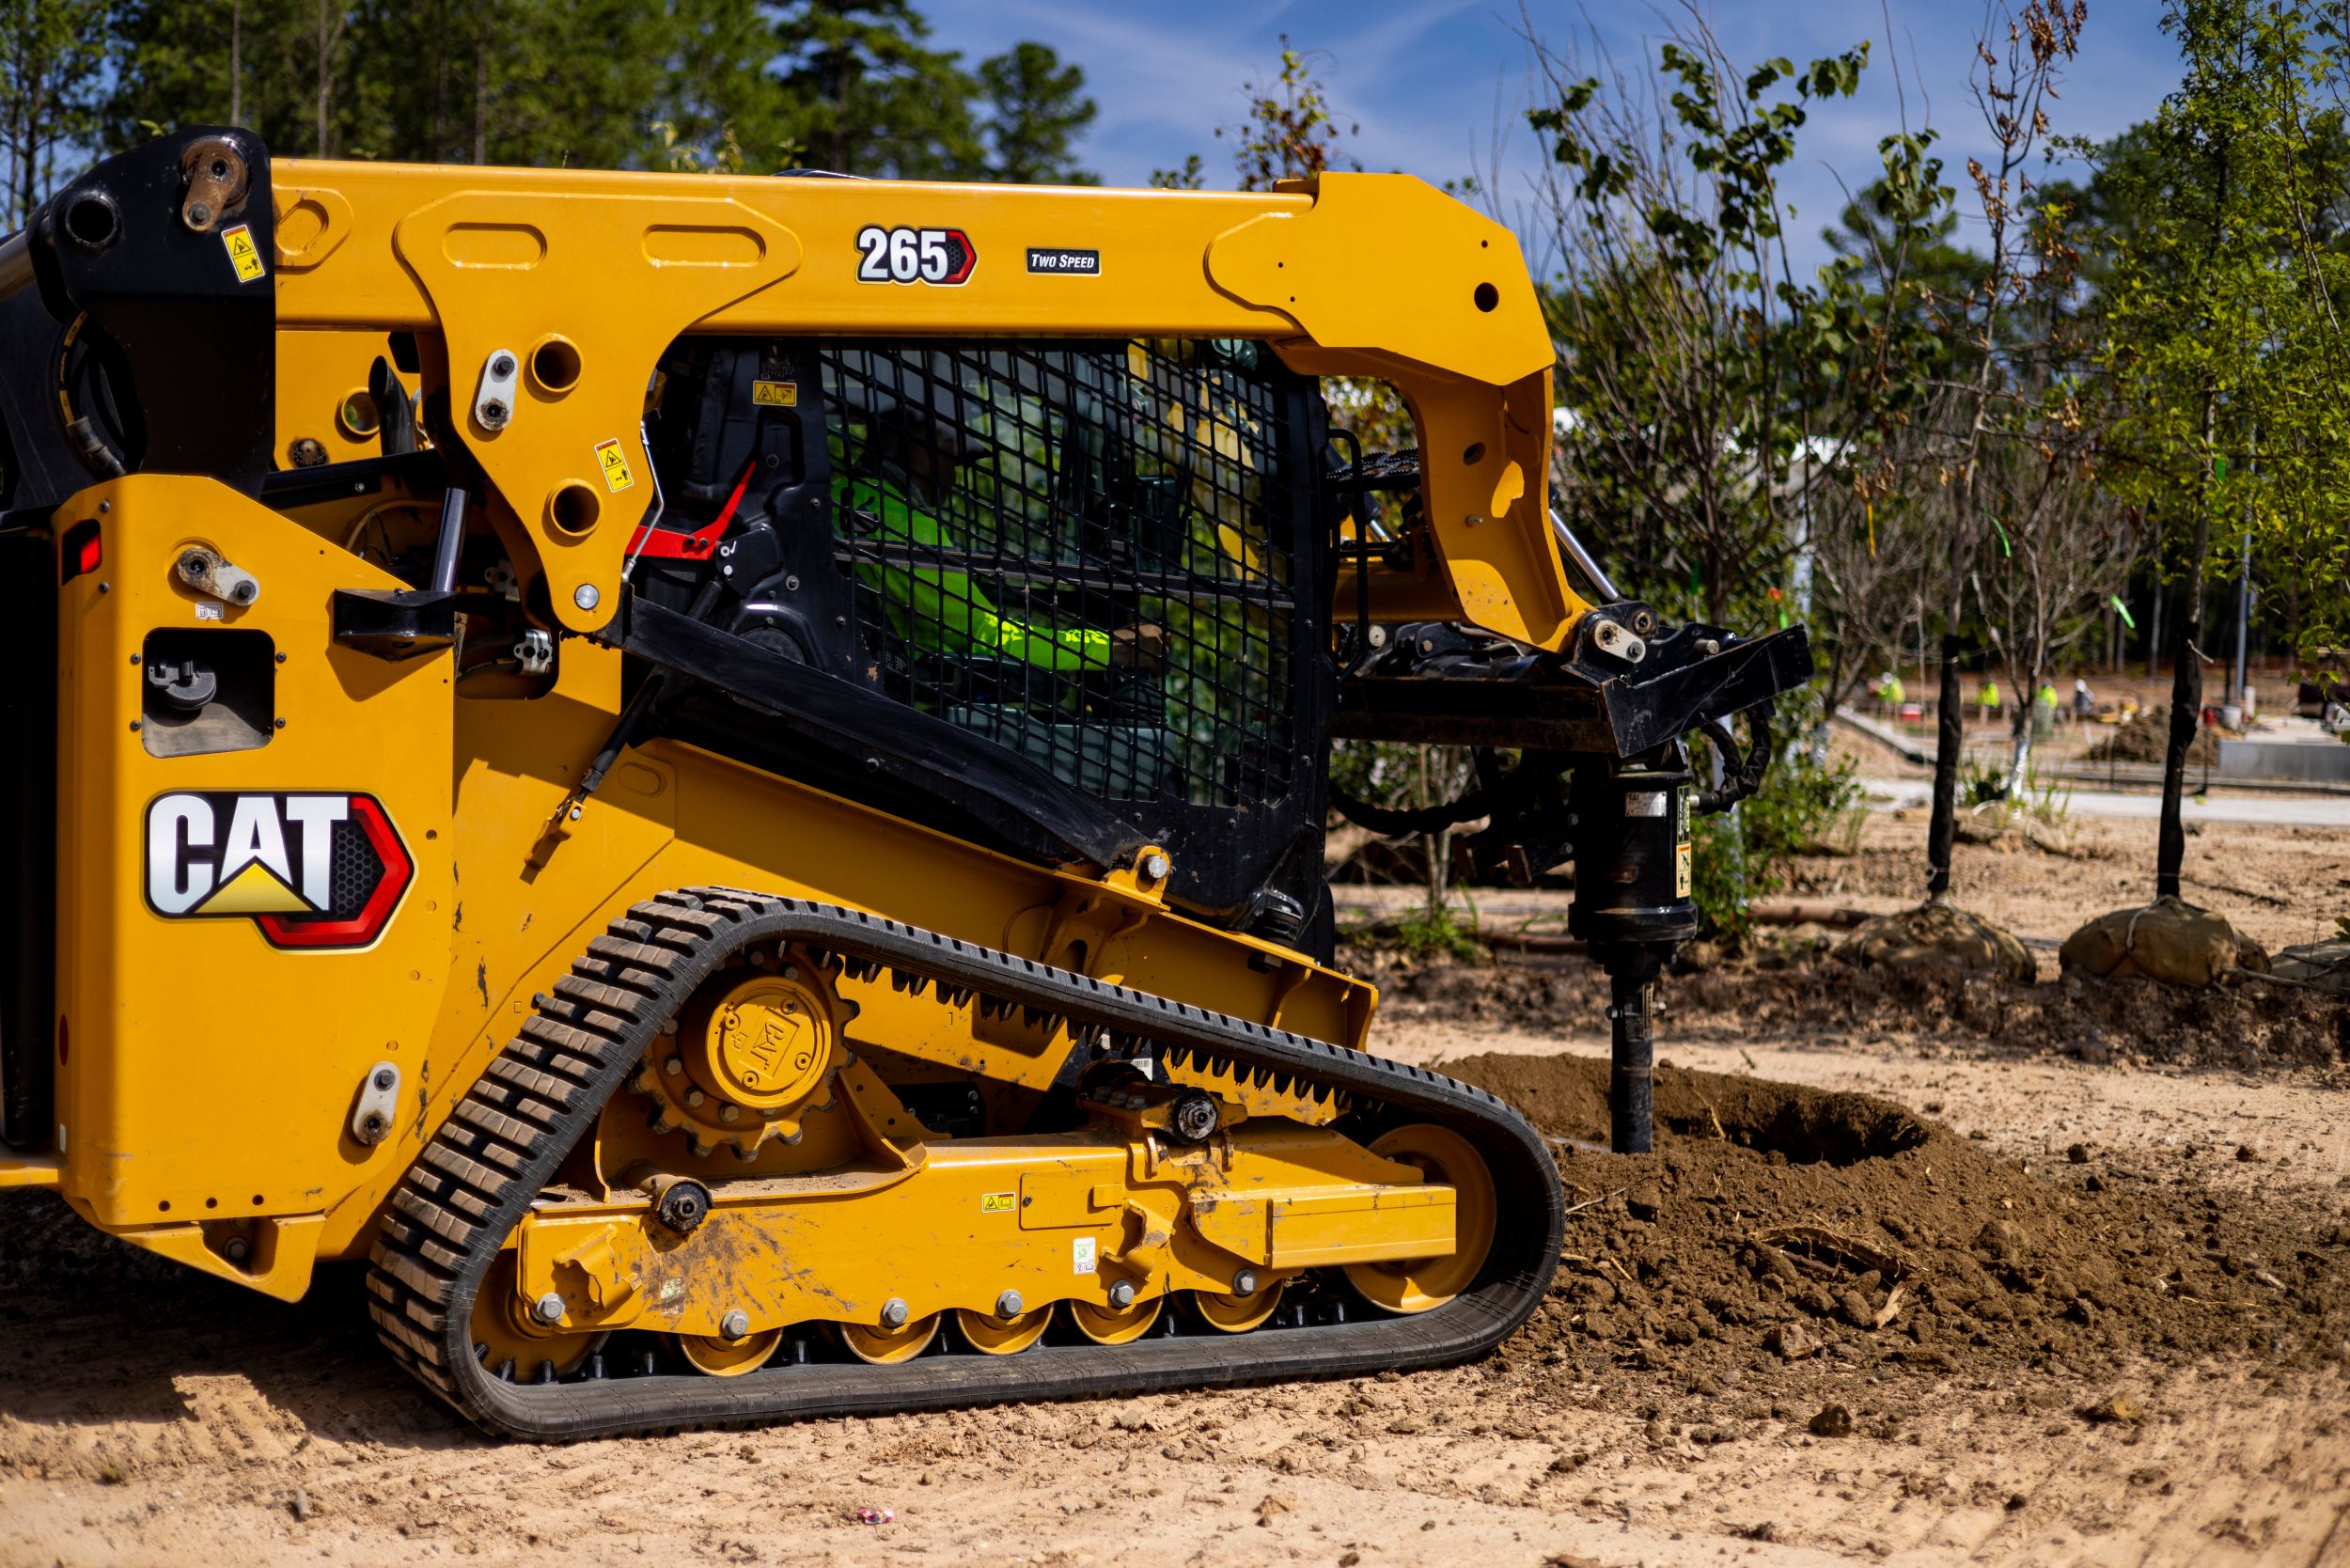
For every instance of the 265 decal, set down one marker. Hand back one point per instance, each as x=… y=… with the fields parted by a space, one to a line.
x=940 y=256
x=315 y=872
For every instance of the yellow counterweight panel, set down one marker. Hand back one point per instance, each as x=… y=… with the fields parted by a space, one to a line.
x=207 y=1076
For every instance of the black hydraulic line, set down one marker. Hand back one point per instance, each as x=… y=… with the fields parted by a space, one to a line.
x=632 y=715
x=1395 y=822
x=451 y=541
x=1742 y=774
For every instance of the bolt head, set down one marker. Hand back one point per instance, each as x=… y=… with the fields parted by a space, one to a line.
x=587 y=598
x=386 y=1078
x=730 y=1113
x=1008 y=1306
x=673 y=1066
x=735 y=1324
x=548 y=1309
x=694 y=1096
x=1244 y=1282
x=894 y=1313
x=502 y=367
x=1122 y=1295
x=1155 y=867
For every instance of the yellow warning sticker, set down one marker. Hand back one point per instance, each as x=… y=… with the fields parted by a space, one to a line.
x=1681 y=870
x=997 y=1202
x=244 y=254
x=775 y=394
x=616 y=477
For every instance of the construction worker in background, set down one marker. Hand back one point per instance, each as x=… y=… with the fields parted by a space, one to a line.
x=2084 y=702
x=1989 y=697
x=1890 y=693
x=2044 y=712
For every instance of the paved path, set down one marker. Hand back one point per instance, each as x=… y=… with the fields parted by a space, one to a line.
x=1886 y=795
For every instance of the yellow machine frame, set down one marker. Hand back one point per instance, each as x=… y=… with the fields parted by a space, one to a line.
x=205 y=1081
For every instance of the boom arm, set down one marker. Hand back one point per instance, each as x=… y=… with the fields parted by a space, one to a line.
x=586 y=278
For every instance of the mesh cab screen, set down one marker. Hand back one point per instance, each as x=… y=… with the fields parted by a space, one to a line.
x=1081 y=551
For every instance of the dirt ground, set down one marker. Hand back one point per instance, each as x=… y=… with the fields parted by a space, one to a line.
x=2014 y=1276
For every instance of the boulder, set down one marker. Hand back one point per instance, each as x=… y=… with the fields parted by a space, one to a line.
x=2168 y=940
x=1937 y=935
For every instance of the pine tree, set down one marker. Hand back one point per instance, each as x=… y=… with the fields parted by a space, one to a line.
x=1036 y=111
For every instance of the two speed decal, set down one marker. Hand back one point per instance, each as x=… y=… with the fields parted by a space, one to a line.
x=939 y=255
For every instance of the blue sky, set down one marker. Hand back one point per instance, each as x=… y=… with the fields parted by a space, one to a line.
x=1438 y=84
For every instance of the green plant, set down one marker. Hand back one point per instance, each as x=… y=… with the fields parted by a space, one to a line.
x=1741 y=855
x=1433 y=929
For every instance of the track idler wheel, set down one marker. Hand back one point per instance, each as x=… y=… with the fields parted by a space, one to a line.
x=511 y=1344
x=1417 y=1285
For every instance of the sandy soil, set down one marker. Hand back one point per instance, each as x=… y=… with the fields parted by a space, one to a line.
x=147 y=1416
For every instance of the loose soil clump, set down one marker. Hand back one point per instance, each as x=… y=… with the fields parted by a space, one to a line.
x=1786 y=1246
x=2147 y=738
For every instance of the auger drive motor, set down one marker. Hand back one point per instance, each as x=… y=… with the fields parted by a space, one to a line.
x=725 y=779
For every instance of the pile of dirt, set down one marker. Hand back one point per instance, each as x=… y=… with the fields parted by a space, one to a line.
x=1797 y=1248
x=2147 y=738
x=2242 y=1023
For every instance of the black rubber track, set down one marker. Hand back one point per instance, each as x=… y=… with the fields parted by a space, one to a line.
x=502 y=1145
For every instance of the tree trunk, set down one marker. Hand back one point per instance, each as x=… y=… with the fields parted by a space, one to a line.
x=1949 y=741
x=236 y=62
x=2186 y=691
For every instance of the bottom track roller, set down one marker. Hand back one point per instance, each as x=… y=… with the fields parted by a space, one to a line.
x=1108 y=1325
x=718 y=1356
x=992 y=1336
x=1229 y=1312
x=887 y=1347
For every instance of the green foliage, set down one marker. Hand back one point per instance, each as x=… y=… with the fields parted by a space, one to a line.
x=1713 y=394
x=1037 y=109
x=1434 y=929
x=1189 y=176
x=51 y=70
x=1289 y=133
x=683 y=84
x=2223 y=290
x=1742 y=857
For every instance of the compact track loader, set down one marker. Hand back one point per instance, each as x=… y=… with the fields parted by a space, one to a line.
x=725 y=779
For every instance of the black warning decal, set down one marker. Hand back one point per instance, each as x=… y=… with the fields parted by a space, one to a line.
x=939 y=255
x=1060 y=261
